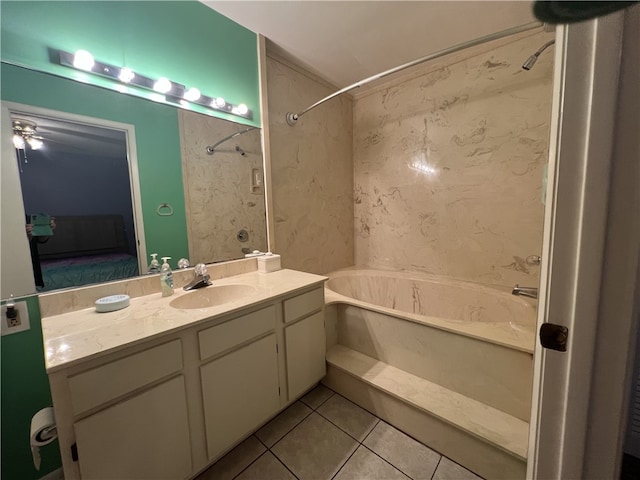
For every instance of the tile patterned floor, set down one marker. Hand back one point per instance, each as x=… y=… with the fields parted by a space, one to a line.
x=324 y=436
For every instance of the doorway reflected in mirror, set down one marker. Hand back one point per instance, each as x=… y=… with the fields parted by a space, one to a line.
x=79 y=176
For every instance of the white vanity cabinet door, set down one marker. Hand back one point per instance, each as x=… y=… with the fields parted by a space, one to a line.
x=144 y=437
x=305 y=343
x=239 y=392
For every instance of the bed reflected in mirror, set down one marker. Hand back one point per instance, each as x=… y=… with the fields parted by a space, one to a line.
x=78 y=202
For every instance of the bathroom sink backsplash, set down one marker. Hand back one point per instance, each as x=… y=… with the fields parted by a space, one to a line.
x=65 y=301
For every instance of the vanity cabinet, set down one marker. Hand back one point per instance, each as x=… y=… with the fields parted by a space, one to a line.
x=143 y=437
x=305 y=341
x=170 y=406
x=240 y=389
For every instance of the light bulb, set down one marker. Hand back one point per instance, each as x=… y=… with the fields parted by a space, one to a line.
x=35 y=143
x=18 y=141
x=83 y=60
x=243 y=109
x=218 y=102
x=162 y=85
x=192 y=94
x=126 y=75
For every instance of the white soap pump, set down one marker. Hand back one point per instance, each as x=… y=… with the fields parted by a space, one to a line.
x=166 y=278
x=154 y=266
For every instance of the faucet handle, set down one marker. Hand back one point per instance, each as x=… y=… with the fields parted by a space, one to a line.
x=201 y=269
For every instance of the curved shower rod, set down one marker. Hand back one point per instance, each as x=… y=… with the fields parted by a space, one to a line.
x=292 y=118
x=212 y=148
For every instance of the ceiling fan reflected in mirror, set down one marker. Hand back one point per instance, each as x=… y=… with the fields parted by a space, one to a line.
x=25 y=134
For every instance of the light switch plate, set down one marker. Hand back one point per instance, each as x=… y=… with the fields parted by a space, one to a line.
x=23 y=316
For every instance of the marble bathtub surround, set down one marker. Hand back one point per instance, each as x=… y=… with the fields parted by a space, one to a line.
x=311 y=171
x=64 y=301
x=448 y=167
x=81 y=335
x=221 y=195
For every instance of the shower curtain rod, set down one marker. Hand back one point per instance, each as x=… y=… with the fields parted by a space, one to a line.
x=292 y=118
x=212 y=148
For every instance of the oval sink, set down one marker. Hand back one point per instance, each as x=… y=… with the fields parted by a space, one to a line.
x=211 y=296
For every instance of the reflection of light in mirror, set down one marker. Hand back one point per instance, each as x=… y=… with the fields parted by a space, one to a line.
x=218 y=102
x=126 y=75
x=162 y=85
x=18 y=142
x=35 y=143
x=83 y=60
x=192 y=94
x=242 y=109
x=423 y=167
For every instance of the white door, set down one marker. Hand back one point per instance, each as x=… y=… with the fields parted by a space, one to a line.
x=590 y=251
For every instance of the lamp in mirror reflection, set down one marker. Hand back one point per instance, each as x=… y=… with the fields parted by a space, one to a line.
x=166 y=89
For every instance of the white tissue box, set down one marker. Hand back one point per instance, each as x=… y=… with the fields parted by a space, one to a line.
x=269 y=263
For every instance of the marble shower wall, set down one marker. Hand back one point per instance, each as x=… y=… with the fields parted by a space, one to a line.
x=448 y=166
x=311 y=172
x=224 y=192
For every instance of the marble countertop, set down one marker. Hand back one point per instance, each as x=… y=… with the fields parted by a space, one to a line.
x=71 y=338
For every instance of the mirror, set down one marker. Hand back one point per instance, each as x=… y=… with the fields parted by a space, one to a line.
x=205 y=207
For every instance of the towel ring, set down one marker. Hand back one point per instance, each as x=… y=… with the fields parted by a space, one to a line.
x=165 y=210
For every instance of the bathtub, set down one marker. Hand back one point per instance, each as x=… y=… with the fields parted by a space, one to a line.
x=460 y=307
x=464 y=338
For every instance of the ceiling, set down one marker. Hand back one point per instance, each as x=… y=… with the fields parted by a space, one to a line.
x=76 y=138
x=345 y=42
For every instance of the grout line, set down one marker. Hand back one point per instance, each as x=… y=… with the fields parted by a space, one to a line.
x=387 y=461
x=254 y=461
x=434 y=472
x=291 y=429
x=283 y=464
x=322 y=403
x=257 y=438
x=347 y=460
x=371 y=431
x=343 y=430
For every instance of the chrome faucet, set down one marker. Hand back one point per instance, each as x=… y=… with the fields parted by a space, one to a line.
x=530 y=292
x=200 y=278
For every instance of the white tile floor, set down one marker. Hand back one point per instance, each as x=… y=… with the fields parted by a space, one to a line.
x=324 y=436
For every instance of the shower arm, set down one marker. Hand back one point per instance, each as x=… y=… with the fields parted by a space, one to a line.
x=292 y=118
x=212 y=148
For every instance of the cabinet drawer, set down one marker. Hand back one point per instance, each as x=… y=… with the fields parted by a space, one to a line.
x=222 y=337
x=99 y=385
x=304 y=304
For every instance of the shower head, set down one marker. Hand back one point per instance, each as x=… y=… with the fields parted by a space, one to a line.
x=531 y=61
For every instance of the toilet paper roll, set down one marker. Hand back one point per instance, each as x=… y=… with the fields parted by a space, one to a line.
x=43 y=432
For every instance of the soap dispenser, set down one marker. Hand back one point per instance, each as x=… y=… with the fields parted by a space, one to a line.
x=154 y=266
x=166 y=278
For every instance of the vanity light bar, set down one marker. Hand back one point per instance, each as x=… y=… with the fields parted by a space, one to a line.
x=173 y=92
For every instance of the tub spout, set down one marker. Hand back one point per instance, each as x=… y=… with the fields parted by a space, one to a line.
x=530 y=292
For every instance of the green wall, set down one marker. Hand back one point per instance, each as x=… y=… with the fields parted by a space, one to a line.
x=185 y=41
x=25 y=390
x=157 y=144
